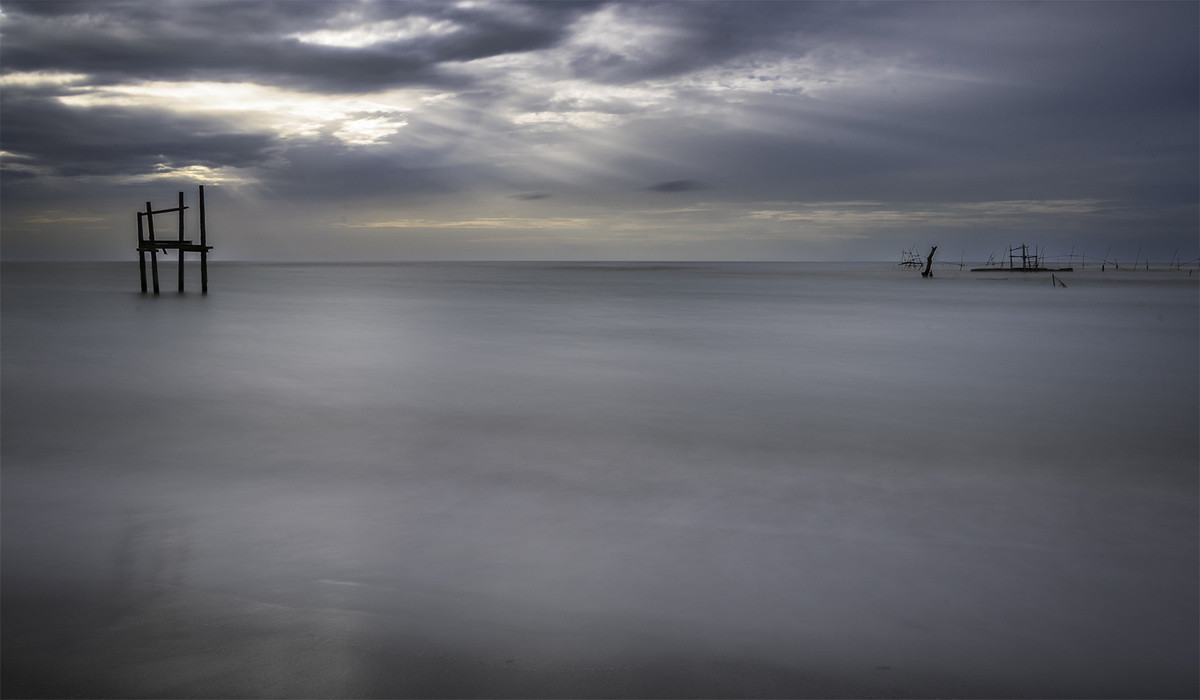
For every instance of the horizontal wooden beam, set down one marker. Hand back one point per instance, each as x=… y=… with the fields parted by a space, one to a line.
x=163 y=211
x=174 y=245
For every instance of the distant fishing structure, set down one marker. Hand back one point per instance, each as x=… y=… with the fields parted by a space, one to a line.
x=148 y=243
x=1026 y=258
x=1031 y=261
x=910 y=258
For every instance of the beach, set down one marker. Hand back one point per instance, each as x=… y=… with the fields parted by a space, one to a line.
x=599 y=480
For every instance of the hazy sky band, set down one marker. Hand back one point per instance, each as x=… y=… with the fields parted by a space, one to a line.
x=751 y=130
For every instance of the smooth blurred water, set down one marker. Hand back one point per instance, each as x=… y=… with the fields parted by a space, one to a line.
x=723 y=479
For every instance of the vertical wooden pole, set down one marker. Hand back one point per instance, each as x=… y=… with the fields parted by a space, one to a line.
x=153 y=251
x=181 y=241
x=203 y=247
x=141 y=253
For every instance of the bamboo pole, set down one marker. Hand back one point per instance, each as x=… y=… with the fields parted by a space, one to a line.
x=180 y=241
x=153 y=251
x=141 y=253
x=203 y=247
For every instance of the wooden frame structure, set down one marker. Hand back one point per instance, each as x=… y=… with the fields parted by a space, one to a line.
x=1030 y=261
x=147 y=243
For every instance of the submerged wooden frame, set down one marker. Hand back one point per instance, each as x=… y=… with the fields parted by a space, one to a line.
x=147 y=243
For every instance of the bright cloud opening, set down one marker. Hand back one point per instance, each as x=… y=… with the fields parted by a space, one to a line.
x=353 y=119
x=40 y=78
x=390 y=31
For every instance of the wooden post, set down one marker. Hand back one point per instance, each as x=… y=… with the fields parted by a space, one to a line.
x=180 y=241
x=929 y=263
x=153 y=251
x=141 y=253
x=203 y=249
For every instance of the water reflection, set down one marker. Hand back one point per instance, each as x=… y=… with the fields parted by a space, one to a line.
x=150 y=561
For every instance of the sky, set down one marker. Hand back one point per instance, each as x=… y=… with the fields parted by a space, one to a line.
x=479 y=130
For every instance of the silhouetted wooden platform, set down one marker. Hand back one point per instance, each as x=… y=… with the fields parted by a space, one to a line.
x=1030 y=262
x=148 y=243
x=187 y=246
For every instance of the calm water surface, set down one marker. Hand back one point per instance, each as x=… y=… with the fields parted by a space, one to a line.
x=599 y=480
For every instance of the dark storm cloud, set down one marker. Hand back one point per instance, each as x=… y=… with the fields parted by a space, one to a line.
x=329 y=171
x=691 y=36
x=107 y=140
x=1099 y=103
x=678 y=186
x=911 y=106
x=254 y=40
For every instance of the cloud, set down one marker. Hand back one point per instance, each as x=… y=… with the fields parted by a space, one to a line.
x=678 y=186
x=499 y=222
x=288 y=113
x=940 y=214
x=120 y=141
x=318 y=46
x=48 y=219
x=622 y=43
x=937 y=114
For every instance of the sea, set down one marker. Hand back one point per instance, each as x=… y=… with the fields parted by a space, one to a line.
x=553 y=479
